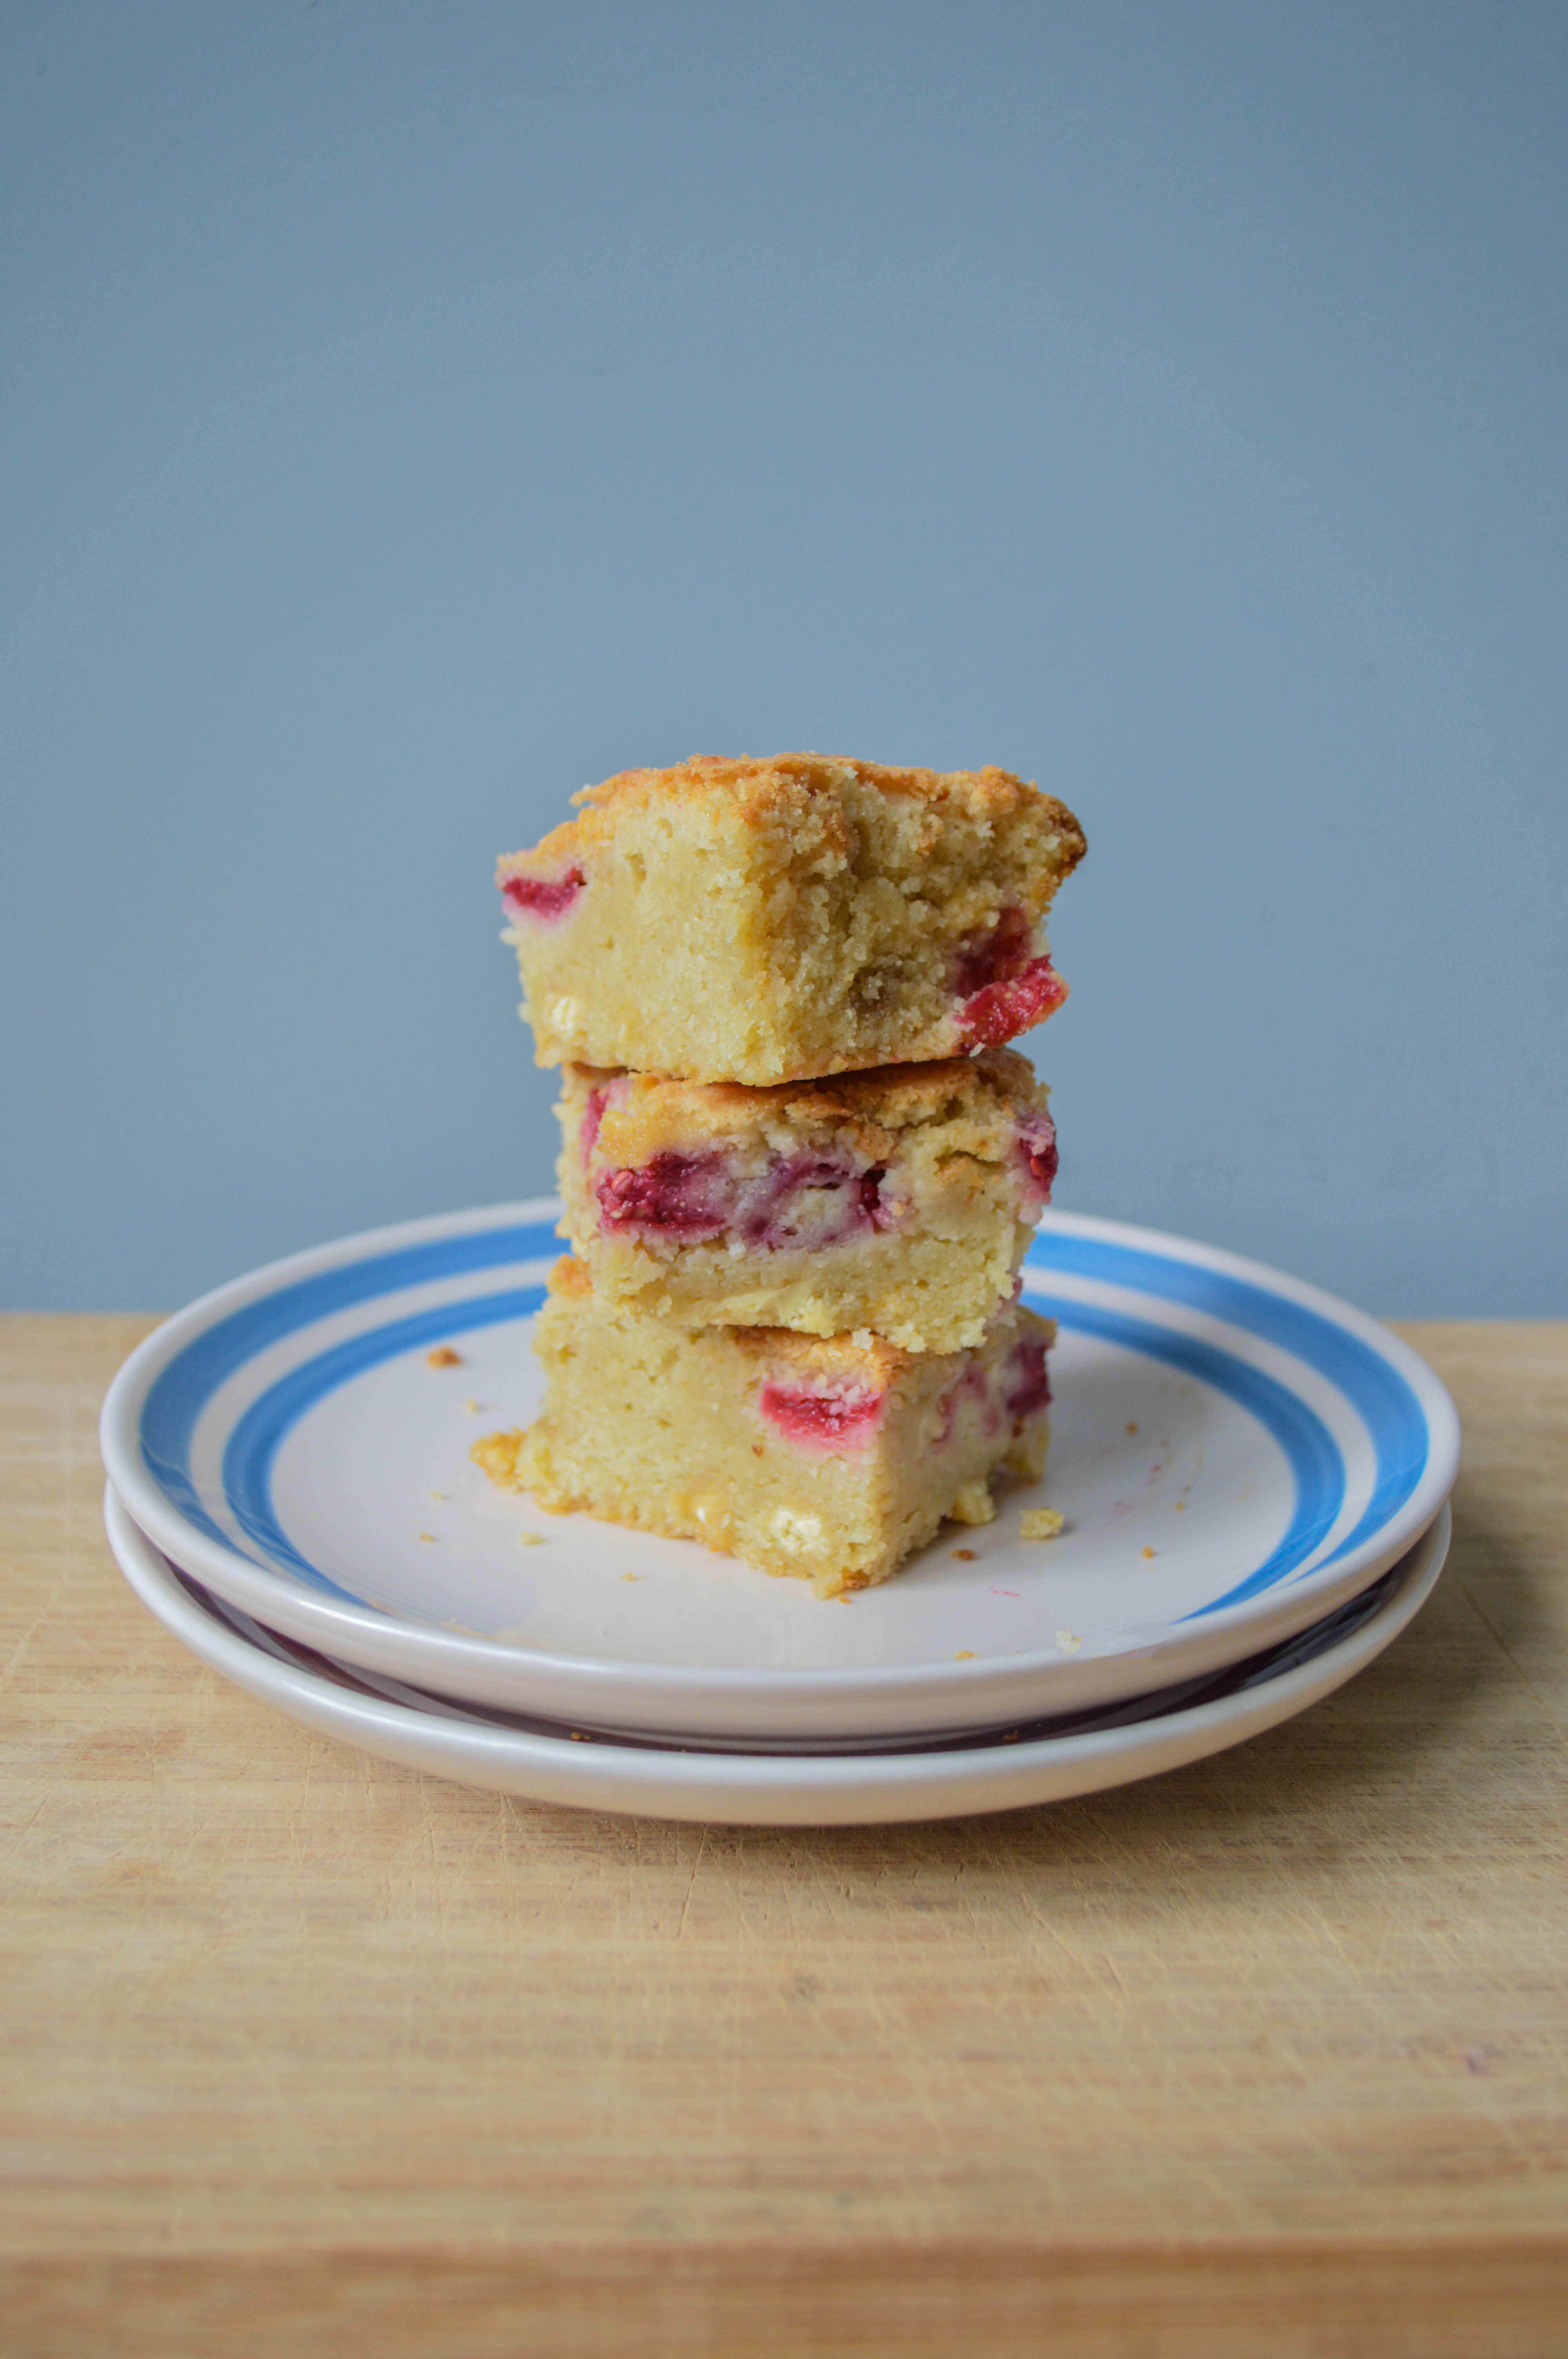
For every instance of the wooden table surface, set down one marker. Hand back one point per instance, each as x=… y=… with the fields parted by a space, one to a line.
x=308 y=2053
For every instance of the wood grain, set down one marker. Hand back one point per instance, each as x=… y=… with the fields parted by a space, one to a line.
x=306 y=2050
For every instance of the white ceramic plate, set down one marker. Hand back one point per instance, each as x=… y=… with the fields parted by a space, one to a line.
x=1236 y=1453
x=1003 y=1771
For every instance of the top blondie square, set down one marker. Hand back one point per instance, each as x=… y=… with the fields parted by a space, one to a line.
x=784 y=919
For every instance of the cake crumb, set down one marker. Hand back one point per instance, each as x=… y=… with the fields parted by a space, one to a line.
x=443 y=1356
x=1148 y=1552
x=530 y=1539
x=632 y=1576
x=1133 y=1427
x=473 y=1407
x=1011 y=1737
x=965 y=1655
x=1180 y=1505
x=426 y=1536
x=1067 y=1639
x=974 y=1504
x=498 y=1454
x=439 y=1497
x=1041 y=1523
x=965 y=1556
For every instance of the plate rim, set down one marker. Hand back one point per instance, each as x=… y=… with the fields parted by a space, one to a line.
x=878 y=1786
x=472 y=1664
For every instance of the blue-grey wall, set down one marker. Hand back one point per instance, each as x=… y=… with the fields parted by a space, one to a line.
x=411 y=411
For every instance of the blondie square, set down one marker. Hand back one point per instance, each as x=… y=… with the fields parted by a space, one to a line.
x=767 y=921
x=827 y=1459
x=898 y=1203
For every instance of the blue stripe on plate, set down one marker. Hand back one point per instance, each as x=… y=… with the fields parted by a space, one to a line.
x=1309 y=1449
x=1390 y=1411
x=180 y=1393
x=1314 y=1454
x=252 y=1447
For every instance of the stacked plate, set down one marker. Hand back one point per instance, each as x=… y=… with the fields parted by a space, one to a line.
x=1252 y=1476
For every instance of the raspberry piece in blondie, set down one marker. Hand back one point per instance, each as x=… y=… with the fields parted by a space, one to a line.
x=827 y=1459
x=766 y=921
x=898 y=1203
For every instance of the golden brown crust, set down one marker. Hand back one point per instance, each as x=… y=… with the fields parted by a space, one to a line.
x=753 y=790
x=570 y=1277
x=877 y=1362
x=755 y=783
x=557 y=851
x=865 y=1110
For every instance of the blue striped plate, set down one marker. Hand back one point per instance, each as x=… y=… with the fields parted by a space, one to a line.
x=1235 y=1453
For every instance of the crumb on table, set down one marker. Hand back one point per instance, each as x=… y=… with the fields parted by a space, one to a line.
x=1041 y=1523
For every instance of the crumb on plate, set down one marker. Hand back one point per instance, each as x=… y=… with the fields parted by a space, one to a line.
x=965 y=1556
x=1041 y=1523
x=443 y=1356
x=497 y=1454
x=1066 y=1638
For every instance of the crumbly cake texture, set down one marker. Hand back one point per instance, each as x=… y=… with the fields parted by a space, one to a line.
x=898 y=1203
x=766 y=921
x=825 y=1460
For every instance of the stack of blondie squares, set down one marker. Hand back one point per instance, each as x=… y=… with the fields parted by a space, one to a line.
x=800 y=1166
